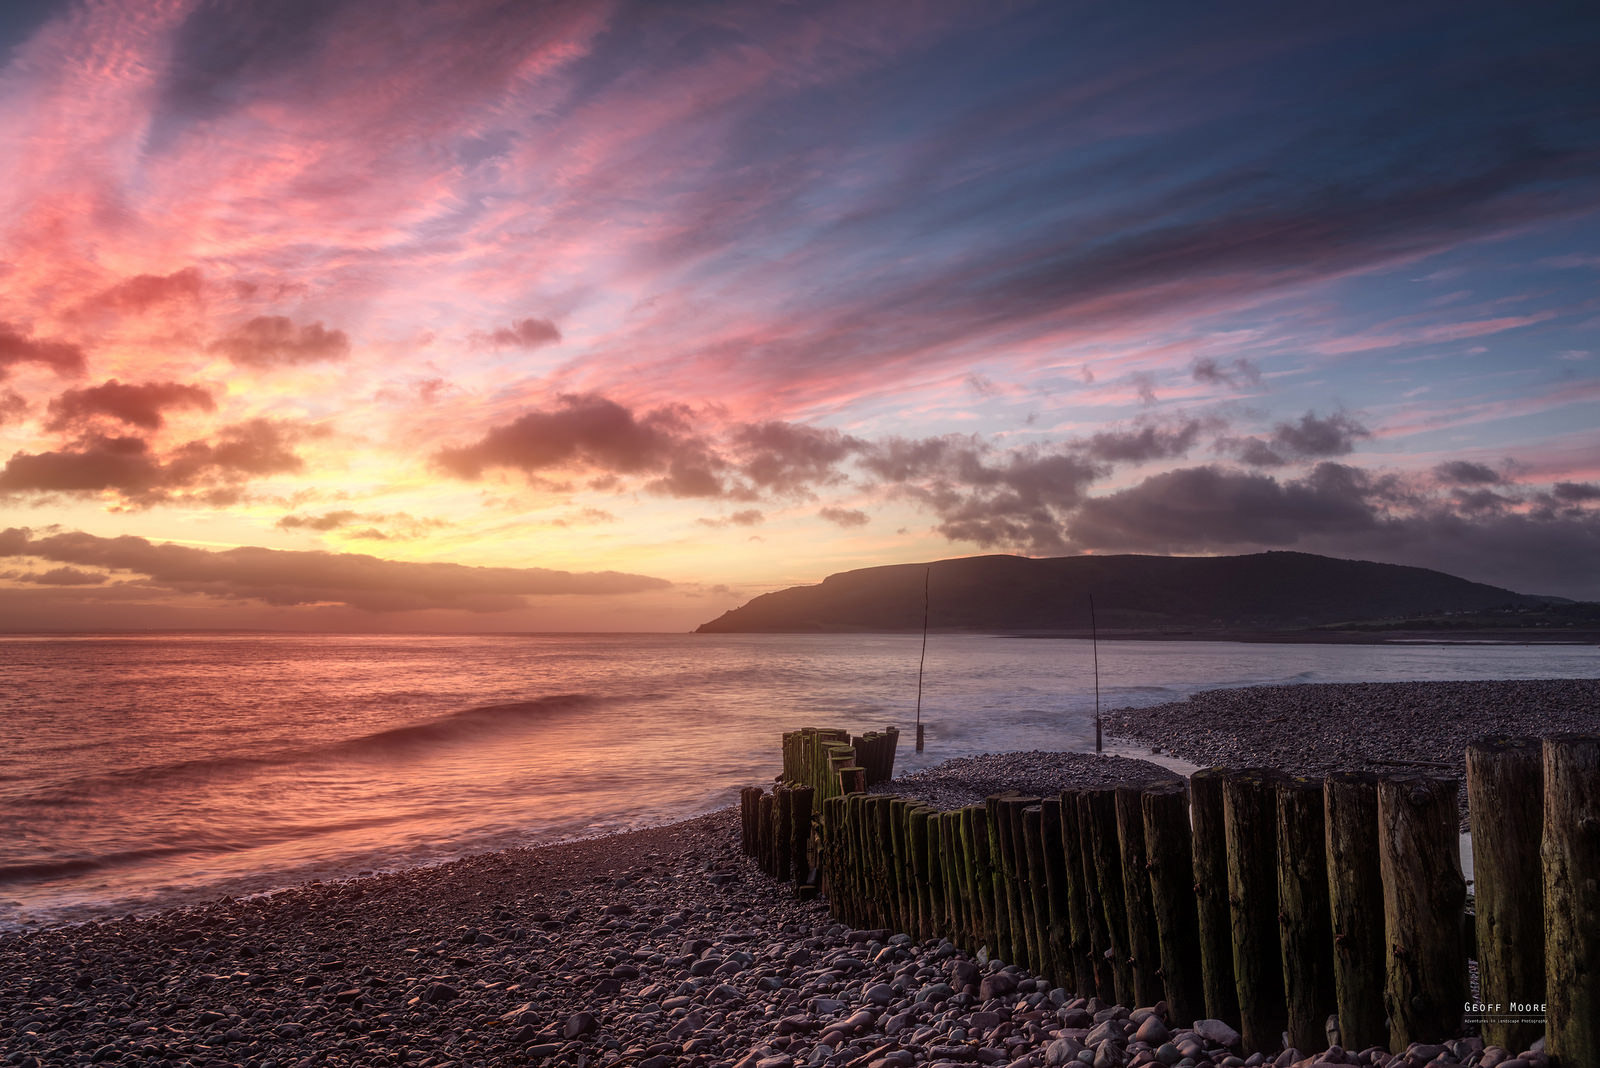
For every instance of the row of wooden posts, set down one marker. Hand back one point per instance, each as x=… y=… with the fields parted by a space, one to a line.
x=1266 y=900
x=833 y=763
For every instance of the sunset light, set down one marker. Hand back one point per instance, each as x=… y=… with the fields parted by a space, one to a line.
x=483 y=316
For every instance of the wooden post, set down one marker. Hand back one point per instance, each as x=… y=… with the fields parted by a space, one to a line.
x=1249 y=818
x=1144 y=945
x=882 y=856
x=1058 y=924
x=1080 y=942
x=898 y=875
x=948 y=824
x=1170 y=848
x=764 y=833
x=1038 y=902
x=975 y=826
x=782 y=829
x=1355 y=900
x=1101 y=950
x=1424 y=908
x=1306 y=932
x=800 y=799
x=921 y=869
x=1570 y=847
x=1106 y=850
x=749 y=811
x=1000 y=876
x=1505 y=802
x=1211 y=894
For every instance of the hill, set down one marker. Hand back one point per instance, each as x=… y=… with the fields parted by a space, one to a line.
x=1134 y=596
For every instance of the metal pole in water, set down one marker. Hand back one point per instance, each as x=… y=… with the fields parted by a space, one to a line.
x=924 y=659
x=1094 y=644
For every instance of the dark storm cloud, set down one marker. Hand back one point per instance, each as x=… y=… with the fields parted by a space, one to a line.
x=1467 y=473
x=525 y=334
x=131 y=467
x=142 y=405
x=1312 y=437
x=280 y=577
x=17 y=347
x=269 y=340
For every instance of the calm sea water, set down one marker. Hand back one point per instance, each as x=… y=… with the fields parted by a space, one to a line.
x=139 y=772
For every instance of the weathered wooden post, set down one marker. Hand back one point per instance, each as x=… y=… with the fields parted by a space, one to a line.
x=1038 y=885
x=921 y=869
x=1306 y=931
x=1570 y=847
x=764 y=833
x=1144 y=945
x=749 y=809
x=975 y=847
x=1424 y=908
x=1249 y=817
x=1106 y=851
x=883 y=859
x=1505 y=802
x=949 y=824
x=1355 y=900
x=1169 y=846
x=1058 y=925
x=782 y=829
x=800 y=800
x=1101 y=950
x=1024 y=937
x=1211 y=894
x=1079 y=940
x=1004 y=930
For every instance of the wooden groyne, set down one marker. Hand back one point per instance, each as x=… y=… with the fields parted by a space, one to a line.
x=1332 y=909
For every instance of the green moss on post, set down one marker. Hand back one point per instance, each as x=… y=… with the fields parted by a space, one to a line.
x=1144 y=946
x=1215 y=923
x=1079 y=942
x=1101 y=949
x=1169 y=847
x=1057 y=924
x=1038 y=903
x=1106 y=850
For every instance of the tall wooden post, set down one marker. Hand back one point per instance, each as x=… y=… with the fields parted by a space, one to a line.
x=1355 y=901
x=1211 y=894
x=1144 y=945
x=1107 y=852
x=1424 y=908
x=1570 y=846
x=1249 y=816
x=1101 y=949
x=1079 y=939
x=1306 y=931
x=1055 y=880
x=1505 y=801
x=1038 y=903
x=1169 y=845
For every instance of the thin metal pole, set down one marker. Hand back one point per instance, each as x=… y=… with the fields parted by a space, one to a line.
x=1094 y=644
x=924 y=659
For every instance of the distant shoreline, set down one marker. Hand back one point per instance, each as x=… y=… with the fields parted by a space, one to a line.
x=1573 y=636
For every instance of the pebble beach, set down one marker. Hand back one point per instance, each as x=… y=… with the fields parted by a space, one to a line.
x=667 y=947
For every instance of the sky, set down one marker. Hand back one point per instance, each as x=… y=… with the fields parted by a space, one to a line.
x=405 y=315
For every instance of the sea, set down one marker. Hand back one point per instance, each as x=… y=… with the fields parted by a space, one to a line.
x=141 y=772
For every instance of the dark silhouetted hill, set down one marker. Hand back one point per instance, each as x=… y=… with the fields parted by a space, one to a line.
x=1134 y=595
